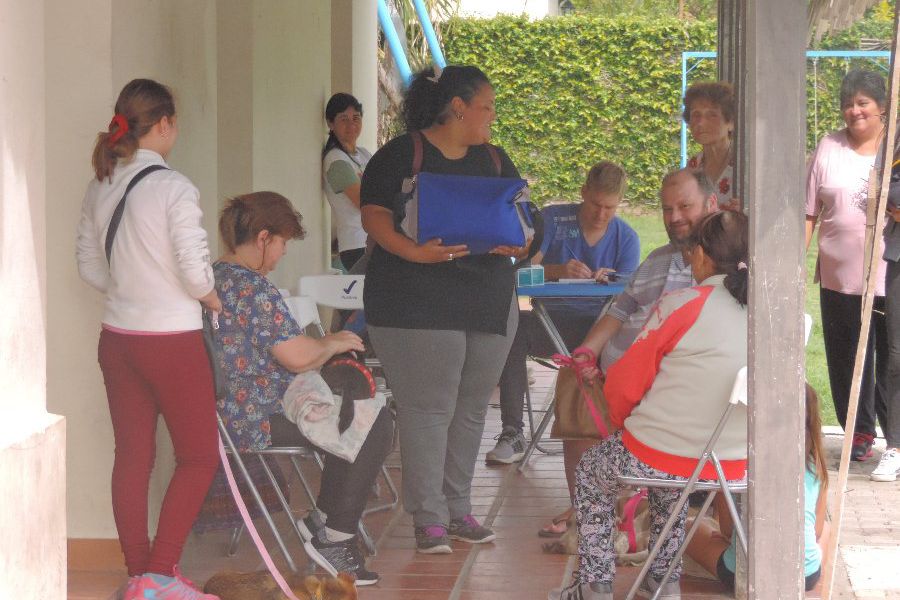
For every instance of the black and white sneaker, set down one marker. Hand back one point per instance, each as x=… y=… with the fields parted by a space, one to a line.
x=583 y=591
x=344 y=556
x=510 y=447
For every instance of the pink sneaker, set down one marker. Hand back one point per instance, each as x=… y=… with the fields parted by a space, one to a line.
x=129 y=589
x=182 y=578
x=159 y=587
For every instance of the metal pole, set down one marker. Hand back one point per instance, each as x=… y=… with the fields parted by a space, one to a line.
x=390 y=34
x=430 y=35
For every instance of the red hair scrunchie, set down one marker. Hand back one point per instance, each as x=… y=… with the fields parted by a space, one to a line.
x=121 y=123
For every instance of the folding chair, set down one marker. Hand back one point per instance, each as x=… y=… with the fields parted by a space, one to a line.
x=306 y=312
x=345 y=292
x=294 y=453
x=693 y=483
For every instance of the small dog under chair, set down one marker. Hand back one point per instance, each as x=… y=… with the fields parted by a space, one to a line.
x=259 y=585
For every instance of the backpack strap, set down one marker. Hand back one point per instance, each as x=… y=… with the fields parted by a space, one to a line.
x=120 y=208
x=417 y=151
x=495 y=156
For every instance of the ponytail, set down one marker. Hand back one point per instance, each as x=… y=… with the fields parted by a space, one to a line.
x=736 y=283
x=428 y=98
x=723 y=237
x=140 y=106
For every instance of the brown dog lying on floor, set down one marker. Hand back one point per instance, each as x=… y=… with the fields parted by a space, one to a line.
x=230 y=585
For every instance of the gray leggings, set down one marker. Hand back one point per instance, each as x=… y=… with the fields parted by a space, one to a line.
x=442 y=381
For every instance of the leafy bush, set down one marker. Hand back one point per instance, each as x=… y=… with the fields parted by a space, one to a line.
x=578 y=89
x=575 y=90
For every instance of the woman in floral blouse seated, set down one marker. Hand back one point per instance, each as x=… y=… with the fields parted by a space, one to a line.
x=261 y=347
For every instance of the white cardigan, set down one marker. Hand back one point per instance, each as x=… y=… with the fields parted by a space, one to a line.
x=160 y=258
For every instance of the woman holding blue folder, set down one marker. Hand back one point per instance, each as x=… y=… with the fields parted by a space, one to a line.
x=441 y=319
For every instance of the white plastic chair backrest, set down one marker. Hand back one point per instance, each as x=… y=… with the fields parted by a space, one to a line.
x=337 y=291
x=304 y=310
x=807 y=327
x=739 y=391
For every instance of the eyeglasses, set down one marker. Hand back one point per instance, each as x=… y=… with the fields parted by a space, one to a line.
x=357 y=118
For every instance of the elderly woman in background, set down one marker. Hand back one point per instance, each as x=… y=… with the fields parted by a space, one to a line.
x=709 y=114
x=837 y=185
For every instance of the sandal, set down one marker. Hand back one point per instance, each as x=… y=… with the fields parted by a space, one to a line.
x=557 y=526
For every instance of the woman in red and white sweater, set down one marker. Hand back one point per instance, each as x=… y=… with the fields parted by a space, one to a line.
x=666 y=394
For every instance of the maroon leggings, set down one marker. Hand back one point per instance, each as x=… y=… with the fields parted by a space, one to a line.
x=146 y=376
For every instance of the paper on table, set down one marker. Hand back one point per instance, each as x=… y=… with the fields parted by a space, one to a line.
x=577 y=281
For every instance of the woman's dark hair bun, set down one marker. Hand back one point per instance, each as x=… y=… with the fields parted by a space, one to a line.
x=428 y=97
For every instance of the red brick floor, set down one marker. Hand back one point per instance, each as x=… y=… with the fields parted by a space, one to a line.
x=514 y=504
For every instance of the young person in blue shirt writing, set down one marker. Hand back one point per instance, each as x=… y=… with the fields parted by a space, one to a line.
x=581 y=241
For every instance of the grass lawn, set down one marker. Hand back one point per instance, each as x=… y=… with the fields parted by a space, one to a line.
x=650 y=230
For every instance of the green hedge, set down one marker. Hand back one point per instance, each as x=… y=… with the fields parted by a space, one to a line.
x=575 y=90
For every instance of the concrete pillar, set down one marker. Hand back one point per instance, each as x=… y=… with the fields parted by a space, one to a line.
x=32 y=442
x=365 y=68
x=291 y=83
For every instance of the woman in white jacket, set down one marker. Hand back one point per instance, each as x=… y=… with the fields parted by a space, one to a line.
x=155 y=272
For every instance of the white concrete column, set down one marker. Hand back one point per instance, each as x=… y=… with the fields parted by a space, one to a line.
x=365 y=68
x=291 y=83
x=32 y=442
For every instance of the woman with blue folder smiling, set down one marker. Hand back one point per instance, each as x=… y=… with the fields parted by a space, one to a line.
x=441 y=319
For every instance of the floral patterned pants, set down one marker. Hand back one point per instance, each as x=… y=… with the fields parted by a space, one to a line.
x=596 y=491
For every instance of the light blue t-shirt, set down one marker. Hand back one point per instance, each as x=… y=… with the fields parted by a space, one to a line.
x=618 y=249
x=812 y=552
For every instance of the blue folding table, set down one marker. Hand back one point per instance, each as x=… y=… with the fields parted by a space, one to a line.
x=539 y=294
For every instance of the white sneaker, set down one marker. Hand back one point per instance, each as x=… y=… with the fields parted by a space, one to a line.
x=888 y=467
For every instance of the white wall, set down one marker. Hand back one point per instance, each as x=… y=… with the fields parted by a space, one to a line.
x=291 y=84
x=250 y=80
x=534 y=9
x=32 y=442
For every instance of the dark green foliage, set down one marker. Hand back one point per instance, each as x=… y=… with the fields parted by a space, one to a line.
x=575 y=90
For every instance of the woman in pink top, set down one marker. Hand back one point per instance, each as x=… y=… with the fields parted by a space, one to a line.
x=836 y=197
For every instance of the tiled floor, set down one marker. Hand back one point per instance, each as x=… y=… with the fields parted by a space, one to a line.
x=514 y=504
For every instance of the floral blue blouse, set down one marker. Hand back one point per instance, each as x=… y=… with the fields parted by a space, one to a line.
x=254 y=319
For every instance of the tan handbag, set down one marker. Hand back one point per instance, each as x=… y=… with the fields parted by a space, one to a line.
x=574 y=418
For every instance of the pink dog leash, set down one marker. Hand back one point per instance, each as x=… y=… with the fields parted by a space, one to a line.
x=251 y=528
x=628 y=513
x=580 y=367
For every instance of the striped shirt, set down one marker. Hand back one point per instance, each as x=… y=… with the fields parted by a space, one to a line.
x=662 y=271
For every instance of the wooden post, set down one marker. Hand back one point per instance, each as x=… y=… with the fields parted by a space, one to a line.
x=877 y=202
x=774 y=144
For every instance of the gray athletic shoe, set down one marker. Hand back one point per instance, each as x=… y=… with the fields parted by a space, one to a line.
x=432 y=539
x=510 y=447
x=583 y=591
x=468 y=529
x=671 y=590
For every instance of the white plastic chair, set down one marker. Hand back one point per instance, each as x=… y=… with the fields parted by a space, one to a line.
x=720 y=485
x=345 y=292
x=306 y=312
